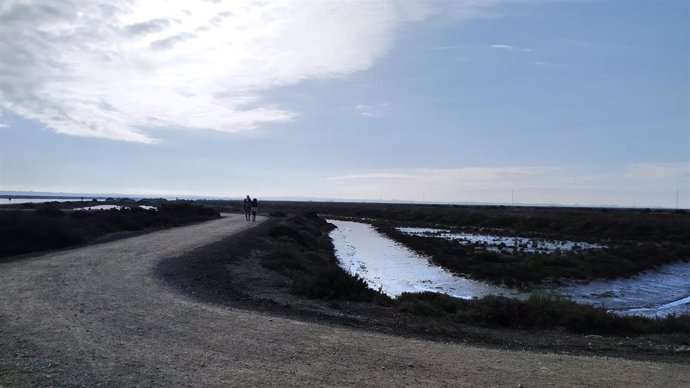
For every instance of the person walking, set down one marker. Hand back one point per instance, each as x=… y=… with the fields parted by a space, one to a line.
x=247 y=208
x=255 y=208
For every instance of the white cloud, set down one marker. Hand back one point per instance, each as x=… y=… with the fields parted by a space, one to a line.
x=660 y=171
x=633 y=185
x=508 y=47
x=369 y=176
x=119 y=69
x=446 y=184
x=375 y=110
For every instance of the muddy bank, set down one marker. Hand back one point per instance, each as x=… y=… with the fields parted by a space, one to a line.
x=231 y=272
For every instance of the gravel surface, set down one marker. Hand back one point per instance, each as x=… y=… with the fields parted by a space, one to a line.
x=97 y=316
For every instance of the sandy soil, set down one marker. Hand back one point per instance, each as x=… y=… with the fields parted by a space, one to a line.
x=98 y=316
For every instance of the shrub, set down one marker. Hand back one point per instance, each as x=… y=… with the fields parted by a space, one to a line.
x=302 y=250
x=50 y=211
x=49 y=228
x=331 y=283
x=540 y=311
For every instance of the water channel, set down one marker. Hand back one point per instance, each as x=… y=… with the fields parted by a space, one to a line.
x=386 y=265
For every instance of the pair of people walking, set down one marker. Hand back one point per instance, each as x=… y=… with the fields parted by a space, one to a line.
x=251 y=207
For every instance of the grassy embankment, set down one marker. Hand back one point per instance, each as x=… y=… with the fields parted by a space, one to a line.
x=637 y=239
x=24 y=231
x=300 y=248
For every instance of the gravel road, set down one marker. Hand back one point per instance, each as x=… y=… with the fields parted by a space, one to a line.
x=97 y=316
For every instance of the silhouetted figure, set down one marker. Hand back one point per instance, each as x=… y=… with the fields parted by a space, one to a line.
x=255 y=208
x=247 y=208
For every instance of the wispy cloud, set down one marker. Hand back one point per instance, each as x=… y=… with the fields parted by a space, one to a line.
x=548 y=64
x=660 y=171
x=630 y=185
x=117 y=69
x=374 y=176
x=375 y=110
x=450 y=47
x=446 y=180
x=508 y=47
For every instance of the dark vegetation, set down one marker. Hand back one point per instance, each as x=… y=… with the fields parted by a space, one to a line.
x=300 y=248
x=285 y=266
x=540 y=311
x=526 y=269
x=49 y=227
x=582 y=224
x=637 y=239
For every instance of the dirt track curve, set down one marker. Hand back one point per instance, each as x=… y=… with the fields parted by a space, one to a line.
x=97 y=316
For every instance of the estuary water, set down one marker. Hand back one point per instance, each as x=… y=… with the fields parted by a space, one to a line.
x=394 y=269
x=386 y=265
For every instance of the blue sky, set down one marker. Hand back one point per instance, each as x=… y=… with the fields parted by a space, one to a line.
x=568 y=102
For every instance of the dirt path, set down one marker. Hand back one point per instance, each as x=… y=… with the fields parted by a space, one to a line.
x=96 y=316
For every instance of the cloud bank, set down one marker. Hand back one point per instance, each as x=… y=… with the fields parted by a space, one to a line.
x=630 y=185
x=120 y=69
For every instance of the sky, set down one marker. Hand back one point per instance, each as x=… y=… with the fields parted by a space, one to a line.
x=570 y=102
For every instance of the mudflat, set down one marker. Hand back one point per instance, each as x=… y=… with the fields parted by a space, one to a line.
x=98 y=316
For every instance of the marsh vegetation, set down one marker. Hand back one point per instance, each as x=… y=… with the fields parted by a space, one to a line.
x=53 y=226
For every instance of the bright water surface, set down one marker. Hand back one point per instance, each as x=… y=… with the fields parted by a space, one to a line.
x=108 y=207
x=395 y=269
x=503 y=243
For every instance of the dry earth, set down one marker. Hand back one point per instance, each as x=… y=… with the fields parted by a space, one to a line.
x=98 y=316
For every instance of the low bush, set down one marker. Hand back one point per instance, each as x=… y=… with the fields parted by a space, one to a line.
x=540 y=311
x=48 y=227
x=301 y=249
x=525 y=269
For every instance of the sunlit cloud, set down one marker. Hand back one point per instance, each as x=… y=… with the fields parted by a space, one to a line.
x=122 y=69
x=117 y=70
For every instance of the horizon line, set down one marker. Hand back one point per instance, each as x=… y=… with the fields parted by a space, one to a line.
x=16 y=194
